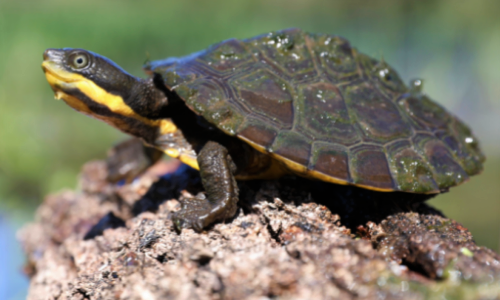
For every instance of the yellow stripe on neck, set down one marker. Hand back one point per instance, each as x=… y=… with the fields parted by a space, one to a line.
x=117 y=105
x=61 y=80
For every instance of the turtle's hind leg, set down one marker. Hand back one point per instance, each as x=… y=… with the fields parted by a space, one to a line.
x=216 y=170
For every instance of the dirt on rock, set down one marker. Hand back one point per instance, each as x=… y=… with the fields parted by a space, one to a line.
x=109 y=241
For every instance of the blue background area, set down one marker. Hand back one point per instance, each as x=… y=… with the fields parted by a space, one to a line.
x=13 y=284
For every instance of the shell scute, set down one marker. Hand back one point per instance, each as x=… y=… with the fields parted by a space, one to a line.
x=204 y=95
x=209 y=99
x=336 y=57
x=288 y=51
x=324 y=114
x=426 y=114
x=447 y=172
x=331 y=160
x=293 y=146
x=368 y=165
x=258 y=132
x=377 y=116
x=226 y=56
x=410 y=171
x=467 y=147
x=469 y=161
x=382 y=76
x=266 y=94
x=173 y=75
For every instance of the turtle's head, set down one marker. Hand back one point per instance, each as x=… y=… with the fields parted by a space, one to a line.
x=96 y=86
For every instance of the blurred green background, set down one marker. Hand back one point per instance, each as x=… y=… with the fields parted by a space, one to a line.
x=453 y=45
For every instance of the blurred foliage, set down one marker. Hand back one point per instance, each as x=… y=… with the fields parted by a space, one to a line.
x=454 y=45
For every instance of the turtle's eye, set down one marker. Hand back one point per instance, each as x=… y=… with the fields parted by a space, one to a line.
x=79 y=61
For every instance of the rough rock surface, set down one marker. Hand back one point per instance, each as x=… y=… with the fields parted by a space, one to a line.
x=117 y=242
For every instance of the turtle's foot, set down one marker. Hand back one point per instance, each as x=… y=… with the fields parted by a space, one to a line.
x=197 y=213
x=216 y=170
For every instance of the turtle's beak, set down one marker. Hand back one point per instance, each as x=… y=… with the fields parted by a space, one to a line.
x=57 y=76
x=47 y=54
x=53 y=67
x=50 y=59
x=53 y=55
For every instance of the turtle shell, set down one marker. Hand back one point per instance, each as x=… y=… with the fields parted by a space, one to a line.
x=326 y=111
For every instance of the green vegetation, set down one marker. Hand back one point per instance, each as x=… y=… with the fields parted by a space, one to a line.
x=453 y=45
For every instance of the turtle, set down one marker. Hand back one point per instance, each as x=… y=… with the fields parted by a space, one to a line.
x=287 y=102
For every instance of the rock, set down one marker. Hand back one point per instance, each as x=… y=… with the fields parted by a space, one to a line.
x=437 y=247
x=282 y=244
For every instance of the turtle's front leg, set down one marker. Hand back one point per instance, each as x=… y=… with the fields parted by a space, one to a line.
x=216 y=170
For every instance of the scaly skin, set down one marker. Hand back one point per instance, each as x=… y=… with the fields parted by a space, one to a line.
x=136 y=106
x=216 y=170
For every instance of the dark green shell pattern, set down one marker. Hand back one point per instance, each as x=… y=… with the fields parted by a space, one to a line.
x=315 y=100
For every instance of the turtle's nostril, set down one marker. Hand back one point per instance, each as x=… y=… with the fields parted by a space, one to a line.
x=49 y=54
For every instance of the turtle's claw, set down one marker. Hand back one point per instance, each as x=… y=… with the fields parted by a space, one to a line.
x=194 y=214
x=181 y=222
